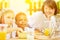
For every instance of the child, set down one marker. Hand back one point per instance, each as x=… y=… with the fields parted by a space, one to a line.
x=21 y=20
x=8 y=18
x=22 y=23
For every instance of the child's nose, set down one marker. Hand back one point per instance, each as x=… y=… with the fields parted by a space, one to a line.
x=47 y=10
x=22 y=22
x=11 y=20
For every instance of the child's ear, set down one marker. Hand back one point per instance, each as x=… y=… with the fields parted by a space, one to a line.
x=15 y=22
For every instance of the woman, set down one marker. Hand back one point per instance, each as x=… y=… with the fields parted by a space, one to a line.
x=45 y=19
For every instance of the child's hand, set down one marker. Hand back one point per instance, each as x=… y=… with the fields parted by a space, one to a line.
x=37 y=33
x=9 y=30
x=20 y=30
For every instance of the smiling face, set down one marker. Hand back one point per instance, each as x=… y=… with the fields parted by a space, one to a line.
x=8 y=18
x=21 y=20
x=48 y=10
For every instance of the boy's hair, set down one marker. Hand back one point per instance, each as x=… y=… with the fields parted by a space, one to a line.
x=19 y=14
x=50 y=3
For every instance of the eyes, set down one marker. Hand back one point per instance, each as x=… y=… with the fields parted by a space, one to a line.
x=9 y=17
x=22 y=19
x=48 y=8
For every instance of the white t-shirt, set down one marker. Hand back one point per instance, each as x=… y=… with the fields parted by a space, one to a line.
x=39 y=21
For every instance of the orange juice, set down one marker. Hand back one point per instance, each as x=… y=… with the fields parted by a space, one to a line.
x=47 y=31
x=2 y=35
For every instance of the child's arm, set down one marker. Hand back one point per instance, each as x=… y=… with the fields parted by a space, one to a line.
x=19 y=29
x=9 y=30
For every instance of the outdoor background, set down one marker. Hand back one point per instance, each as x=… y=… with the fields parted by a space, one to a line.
x=27 y=6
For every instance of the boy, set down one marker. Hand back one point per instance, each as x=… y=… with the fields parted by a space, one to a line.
x=22 y=23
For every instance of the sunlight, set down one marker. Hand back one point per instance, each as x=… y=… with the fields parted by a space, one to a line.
x=34 y=0
x=18 y=5
x=0 y=0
